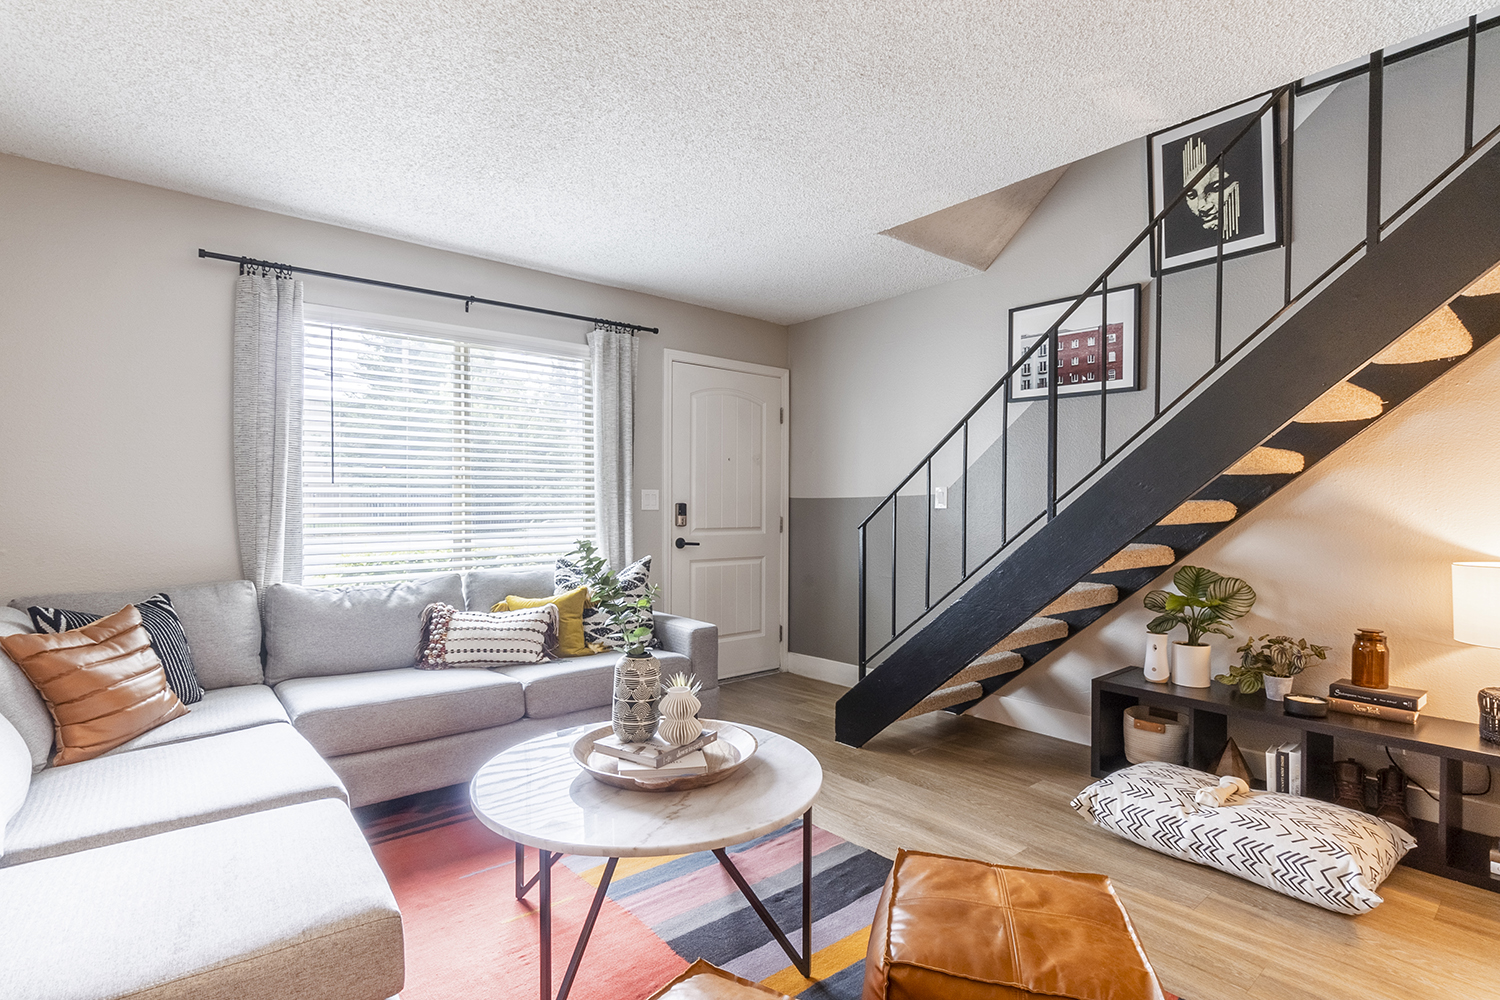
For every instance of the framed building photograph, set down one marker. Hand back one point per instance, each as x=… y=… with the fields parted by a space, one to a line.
x=1238 y=199
x=1097 y=348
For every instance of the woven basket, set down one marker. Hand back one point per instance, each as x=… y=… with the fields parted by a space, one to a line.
x=1162 y=736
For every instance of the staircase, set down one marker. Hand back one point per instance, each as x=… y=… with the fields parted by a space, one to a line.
x=1404 y=306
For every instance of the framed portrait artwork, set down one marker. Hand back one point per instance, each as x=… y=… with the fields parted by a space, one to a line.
x=1238 y=198
x=1096 y=348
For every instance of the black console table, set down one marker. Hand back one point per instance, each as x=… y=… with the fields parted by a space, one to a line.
x=1443 y=848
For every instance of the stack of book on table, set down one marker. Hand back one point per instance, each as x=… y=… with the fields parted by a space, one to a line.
x=658 y=757
x=1397 y=704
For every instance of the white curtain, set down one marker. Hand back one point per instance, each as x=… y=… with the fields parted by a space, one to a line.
x=268 y=345
x=614 y=362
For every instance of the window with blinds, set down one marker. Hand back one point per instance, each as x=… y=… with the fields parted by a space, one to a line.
x=424 y=455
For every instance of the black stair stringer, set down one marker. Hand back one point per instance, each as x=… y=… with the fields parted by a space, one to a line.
x=1416 y=269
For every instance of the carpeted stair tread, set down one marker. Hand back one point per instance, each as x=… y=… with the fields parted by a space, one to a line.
x=1345 y=401
x=1441 y=335
x=1201 y=512
x=944 y=697
x=987 y=666
x=1265 y=461
x=1138 y=555
x=1083 y=595
x=1035 y=630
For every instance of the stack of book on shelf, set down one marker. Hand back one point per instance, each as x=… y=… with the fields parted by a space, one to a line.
x=658 y=757
x=1397 y=704
x=1284 y=768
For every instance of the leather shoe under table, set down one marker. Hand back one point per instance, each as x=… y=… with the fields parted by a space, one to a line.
x=966 y=930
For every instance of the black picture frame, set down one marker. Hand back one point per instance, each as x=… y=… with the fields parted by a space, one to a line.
x=1247 y=209
x=1028 y=323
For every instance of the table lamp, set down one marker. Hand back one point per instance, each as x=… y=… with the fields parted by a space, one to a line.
x=1476 y=620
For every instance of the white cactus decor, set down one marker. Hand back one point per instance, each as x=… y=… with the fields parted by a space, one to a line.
x=678 y=709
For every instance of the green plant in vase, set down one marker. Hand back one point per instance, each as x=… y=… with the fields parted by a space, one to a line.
x=634 y=716
x=1271 y=662
x=1203 y=604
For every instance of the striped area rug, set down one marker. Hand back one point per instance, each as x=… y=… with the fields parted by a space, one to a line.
x=467 y=935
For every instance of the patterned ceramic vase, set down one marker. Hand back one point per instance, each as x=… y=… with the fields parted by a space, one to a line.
x=679 y=715
x=637 y=691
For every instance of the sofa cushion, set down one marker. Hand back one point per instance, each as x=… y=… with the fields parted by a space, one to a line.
x=20 y=702
x=599 y=631
x=558 y=687
x=350 y=713
x=283 y=903
x=322 y=631
x=102 y=683
x=149 y=791
x=222 y=710
x=15 y=775
x=485 y=588
x=221 y=622
x=162 y=625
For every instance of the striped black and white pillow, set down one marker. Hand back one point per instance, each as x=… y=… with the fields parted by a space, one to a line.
x=598 y=631
x=163 y=627
x=454 y=638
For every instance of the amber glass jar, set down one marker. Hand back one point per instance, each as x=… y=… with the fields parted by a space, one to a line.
x=1372 y=659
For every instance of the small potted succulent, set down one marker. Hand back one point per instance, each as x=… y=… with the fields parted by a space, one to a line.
x=637 y=674
x=1204 y=602
x=1271 y=662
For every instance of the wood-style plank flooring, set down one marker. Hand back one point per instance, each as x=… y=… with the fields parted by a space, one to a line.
x=968 y=787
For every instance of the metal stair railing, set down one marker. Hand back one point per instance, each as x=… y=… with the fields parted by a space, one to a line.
x=1281 y=101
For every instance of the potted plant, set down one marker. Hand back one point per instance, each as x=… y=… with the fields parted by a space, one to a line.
x=637 y=673
x=1204 y=602
x=1271 y=662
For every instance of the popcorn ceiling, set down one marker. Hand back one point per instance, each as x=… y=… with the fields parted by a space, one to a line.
x=740 y=156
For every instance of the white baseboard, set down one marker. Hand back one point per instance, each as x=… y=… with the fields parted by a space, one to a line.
x=1034 y=717
x=832 y=671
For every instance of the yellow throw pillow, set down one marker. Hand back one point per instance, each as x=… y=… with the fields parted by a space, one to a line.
x=569 y=617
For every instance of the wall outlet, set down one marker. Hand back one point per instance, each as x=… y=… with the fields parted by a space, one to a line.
x=940 y=498
x=650 y=499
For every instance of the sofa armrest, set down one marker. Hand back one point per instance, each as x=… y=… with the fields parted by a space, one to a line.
x=698 y=641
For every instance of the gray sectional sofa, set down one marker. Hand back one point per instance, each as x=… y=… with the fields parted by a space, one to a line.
x=216 y=856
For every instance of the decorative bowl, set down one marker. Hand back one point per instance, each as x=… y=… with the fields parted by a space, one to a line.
x=724 y=755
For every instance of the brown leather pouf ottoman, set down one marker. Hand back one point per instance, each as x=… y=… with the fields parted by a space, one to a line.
x=964 y=930
x=704 y=981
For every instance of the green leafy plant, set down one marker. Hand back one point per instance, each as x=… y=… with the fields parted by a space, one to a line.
x=1204 y=602
x=1276 y=656
x=631 y=615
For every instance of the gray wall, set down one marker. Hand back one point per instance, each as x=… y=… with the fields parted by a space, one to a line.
x=115 y=365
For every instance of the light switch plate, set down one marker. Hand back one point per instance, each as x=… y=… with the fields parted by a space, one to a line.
x=940 y=498
x=650 y=499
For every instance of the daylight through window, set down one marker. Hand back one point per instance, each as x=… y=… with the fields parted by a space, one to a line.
x=425 y=455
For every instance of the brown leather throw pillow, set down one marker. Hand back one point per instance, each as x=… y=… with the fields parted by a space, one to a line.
x=103 y=683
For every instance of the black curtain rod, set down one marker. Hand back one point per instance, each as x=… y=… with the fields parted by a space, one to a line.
x=467 y=300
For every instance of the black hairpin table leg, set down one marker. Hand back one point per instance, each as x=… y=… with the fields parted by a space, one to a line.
x=803 y=962
x=543 y=879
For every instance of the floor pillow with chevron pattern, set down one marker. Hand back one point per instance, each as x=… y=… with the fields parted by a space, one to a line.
x=1311 y=850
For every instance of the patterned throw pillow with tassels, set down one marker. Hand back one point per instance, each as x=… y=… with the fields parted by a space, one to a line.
x=598 y=632
x=454 y=638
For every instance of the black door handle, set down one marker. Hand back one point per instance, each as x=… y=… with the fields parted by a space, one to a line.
x=683 y=543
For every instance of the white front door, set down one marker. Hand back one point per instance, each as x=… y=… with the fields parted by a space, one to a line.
x=726 y=486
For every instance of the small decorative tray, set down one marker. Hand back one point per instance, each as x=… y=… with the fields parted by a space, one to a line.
x=733 y=747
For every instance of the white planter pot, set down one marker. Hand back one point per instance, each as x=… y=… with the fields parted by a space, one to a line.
x=1277 y=688
x=1190 y=666
x=1158 y=664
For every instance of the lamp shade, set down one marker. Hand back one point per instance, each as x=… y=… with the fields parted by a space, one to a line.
x=1476 y=603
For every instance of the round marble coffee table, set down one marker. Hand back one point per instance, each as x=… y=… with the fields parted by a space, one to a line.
x=535 y=795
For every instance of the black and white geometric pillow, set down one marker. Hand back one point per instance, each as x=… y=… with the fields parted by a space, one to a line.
x=1306 y=848
x=454 y=638
x=163 y=628
x=598 y=633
